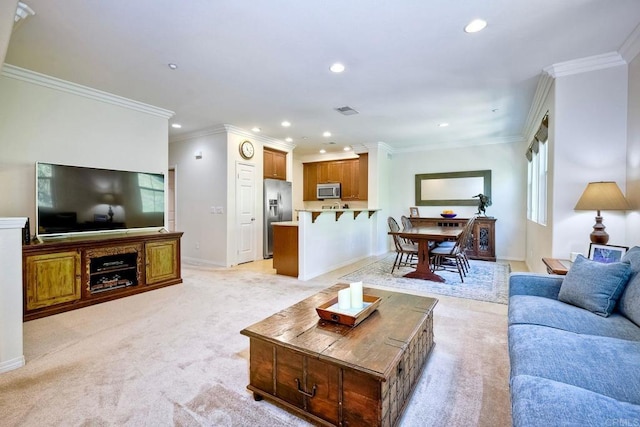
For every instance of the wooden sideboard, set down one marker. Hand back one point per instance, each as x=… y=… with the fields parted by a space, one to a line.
x=482 y=242
x=76 y=272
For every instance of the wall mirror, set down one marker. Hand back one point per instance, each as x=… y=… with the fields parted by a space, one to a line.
x=452 y=188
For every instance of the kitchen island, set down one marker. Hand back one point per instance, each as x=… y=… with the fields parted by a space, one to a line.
x=327 y=239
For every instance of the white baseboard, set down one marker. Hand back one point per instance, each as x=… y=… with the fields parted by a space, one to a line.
x=10 y=365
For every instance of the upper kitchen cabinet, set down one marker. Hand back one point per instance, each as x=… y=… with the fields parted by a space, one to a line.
x=275 y=164
x=352 y=174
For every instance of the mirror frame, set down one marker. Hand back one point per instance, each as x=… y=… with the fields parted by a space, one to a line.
x=485 y=174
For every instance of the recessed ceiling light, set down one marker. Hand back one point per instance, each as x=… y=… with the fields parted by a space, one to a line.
x=255 y=129
x=173 y=66
x=176 y=125
x=443 y=125
x=326 y=134
x=288 y=139
x=347 y=148
x=322 y=151
x=337 y=67
x=286 y=124
x=475 y=26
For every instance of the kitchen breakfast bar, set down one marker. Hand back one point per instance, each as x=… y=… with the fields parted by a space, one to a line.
x=323 y=240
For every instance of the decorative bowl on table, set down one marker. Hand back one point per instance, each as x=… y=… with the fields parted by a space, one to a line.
x=448 y=215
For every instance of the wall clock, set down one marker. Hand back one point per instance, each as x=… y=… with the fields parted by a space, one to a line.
x=246 y=149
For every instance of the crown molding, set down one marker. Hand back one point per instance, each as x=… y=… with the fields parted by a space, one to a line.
x=227 y=129
x=264 y=139
x=13 y=72
x=584 y=65
x=215 y=130
x=459 y=144
x=538 y=109
x=631 y=46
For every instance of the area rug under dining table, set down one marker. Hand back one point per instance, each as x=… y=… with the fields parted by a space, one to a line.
x=485 y=281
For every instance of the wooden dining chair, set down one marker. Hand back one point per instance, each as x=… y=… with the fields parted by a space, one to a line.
x=406 y=253
x=450 y=256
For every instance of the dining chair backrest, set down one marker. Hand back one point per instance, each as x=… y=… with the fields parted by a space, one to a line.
x=406 y=222
x=466 y=233
x=394 y=228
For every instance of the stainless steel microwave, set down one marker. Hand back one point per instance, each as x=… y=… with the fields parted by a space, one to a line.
x=328 y=191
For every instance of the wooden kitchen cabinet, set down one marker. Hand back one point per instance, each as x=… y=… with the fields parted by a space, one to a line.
x=275 y=164
x=352 y=174
x=285 y=249
x=52 y=278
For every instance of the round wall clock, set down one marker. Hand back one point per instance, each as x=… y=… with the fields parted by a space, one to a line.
x=246 y=149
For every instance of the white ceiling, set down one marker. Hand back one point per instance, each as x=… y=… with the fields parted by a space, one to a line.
x=410 y=65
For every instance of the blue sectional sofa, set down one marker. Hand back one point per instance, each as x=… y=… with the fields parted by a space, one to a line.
x=574 y=345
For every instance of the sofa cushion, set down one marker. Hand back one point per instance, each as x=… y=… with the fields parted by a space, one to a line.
x=538 y=284
x=594 y=286
x=630 y=300
x=604 y=365
x=542 y=402
x=533 y=310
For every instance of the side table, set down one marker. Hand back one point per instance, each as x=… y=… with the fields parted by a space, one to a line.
x=557 y=266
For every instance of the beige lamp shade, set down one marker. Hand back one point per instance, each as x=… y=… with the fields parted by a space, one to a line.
x=604 y=196
x=599 y=196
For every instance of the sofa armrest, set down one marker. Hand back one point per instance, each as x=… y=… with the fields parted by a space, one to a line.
x=536 y=284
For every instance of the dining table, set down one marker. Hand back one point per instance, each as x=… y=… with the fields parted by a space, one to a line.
x=424 y=236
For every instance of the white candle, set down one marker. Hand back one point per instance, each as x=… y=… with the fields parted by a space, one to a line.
x=356 y=295
x=344 y=299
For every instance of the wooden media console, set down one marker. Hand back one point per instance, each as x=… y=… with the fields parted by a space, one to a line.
x=75 y=272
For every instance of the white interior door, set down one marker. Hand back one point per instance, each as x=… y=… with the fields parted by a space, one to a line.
x=246 y=211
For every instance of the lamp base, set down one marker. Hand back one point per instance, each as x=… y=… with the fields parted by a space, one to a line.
x=598 y=235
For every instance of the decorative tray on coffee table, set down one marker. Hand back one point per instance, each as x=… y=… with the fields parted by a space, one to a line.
x=351 y=316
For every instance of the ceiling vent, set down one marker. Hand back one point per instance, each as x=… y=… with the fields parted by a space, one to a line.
x=346 y=110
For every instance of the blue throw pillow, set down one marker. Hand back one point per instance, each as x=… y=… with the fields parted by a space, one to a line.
x=594 y=286
x=629 y=304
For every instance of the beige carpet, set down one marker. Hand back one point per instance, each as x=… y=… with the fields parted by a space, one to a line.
x=174 y=356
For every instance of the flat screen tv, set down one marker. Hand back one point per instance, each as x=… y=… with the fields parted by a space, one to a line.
x=73 y=199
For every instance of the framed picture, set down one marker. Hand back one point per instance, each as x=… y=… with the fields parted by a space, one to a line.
x=606 y=253
x=413 y=212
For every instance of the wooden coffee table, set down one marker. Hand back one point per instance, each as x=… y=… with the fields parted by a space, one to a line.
x=333 y=374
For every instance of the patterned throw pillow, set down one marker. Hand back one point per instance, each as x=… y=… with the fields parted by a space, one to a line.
x=594 y=286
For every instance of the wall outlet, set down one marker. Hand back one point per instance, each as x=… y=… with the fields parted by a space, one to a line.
x=197 y=245
x=219 y=210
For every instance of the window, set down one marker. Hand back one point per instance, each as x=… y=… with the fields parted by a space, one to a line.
x=537 y=154
x=151 y=192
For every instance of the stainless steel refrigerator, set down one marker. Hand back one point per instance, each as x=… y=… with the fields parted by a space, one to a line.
x=278 y=206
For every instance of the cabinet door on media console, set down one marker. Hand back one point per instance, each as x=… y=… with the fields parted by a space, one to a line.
x=52 y=278
x=162 y=261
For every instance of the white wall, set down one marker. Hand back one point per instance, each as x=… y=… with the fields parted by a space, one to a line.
x=201 y=184
x=508 y=169
x=633 y=155
x=211 y=182
x=7 y=12
x=590 y=145
x=46 y=119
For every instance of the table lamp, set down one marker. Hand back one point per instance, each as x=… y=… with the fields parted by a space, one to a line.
x=601 y=196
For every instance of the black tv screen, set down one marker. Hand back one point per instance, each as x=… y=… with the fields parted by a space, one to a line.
x=73 y=199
